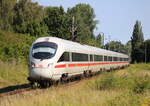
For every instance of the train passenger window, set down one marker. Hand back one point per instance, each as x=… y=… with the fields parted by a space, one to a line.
x=115 y=58
x=125 y=59
x=121 y=59
x=64 y=57
x=91 y=57
x=105 y=58
x=98 y=58
x=109 y=58
x=79 y=57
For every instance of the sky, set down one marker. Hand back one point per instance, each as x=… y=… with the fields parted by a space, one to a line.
x=116 y=17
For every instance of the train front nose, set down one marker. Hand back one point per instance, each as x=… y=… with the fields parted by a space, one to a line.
x=41 y=73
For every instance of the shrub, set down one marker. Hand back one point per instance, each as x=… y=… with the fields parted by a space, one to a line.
x=133 y=82
x=14 y=46
x=141 y=84
x=104 y=83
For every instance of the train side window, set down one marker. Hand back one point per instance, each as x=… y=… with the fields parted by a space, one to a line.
x=125 y=59
x=105 y=58
x=64 y=57
x=115 y=58
x=79 y=57
x=98 y=58
x=91 y=57
x=121 y=59
x=109 y=58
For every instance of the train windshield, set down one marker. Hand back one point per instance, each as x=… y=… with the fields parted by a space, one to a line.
x=44 y=50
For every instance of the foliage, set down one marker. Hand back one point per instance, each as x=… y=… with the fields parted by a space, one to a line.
x=133 y=81
x=147 y=50
x=137 y=39
x=28 y=18
x=14 y=46
x=84 y=19
x=57 y=22
x=6 y=14
x=128 y=47
x=106 y=82
x=99 y=40
x=116 y=46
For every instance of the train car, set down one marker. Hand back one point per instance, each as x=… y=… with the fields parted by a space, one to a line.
x=53 y=59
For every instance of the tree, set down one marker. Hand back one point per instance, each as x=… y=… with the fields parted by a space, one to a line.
x=6 y=14
x=57 y=21
x=147 y=50
x=137 y=53
x=116 y=46
x=28 y=18
x=84 y=19
x=128 y=47
x=99 y=39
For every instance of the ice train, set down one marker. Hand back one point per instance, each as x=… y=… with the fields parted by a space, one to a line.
x=54 y=59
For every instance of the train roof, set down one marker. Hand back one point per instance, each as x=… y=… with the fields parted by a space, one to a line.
x=81 y=48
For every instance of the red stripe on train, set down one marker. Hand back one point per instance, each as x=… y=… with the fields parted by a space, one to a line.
x=85 y=64
x=60 y=66
x=71 y=65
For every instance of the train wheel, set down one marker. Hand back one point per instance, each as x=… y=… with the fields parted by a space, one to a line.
x=45 y=84
x=35 y=85
x=64 y=78
x=87 y=73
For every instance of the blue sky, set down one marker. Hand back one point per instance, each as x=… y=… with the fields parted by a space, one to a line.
x=116 y=17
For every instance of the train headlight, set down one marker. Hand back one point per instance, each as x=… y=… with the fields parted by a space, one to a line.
x=32 y=64
x=50 y=64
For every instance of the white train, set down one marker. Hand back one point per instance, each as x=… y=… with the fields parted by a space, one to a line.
x=52 y=59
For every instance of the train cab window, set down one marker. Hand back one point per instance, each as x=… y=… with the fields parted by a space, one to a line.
x=105 y=58
x=44 y=50
x=91 y=57
x=64 y=57
x=109 y=58
x=79 y=57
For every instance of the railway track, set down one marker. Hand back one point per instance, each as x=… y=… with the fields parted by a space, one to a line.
x=18 y=89
x=12 y=90
x=15 y=92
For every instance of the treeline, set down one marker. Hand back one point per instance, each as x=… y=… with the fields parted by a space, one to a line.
x=27 y=17
x=117 y=46
x=22 y=21
x=30 y=20
x=137 y=48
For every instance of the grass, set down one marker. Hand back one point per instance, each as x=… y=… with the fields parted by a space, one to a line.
x=12 y=73
x=126 y=87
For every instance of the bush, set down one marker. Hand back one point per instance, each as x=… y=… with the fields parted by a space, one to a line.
x=14 y=46
x=133 y=82
x=104 y=83
x=125 y=99
x=141 y=84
